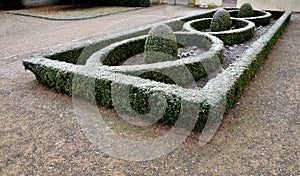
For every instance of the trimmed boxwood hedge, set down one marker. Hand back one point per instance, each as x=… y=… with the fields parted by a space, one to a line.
x=97 y=85
x=275 y=14
x=245 y=10
x=160 y=44
x=79 y=83
x=260 y=17
x=221 y=21
x=245 y=30
x=208 y=14
x=79 y=53
x=235 y=78
x=182 y=71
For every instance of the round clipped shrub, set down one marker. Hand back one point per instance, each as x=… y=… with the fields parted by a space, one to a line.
x=245 y=10
x=221 y=21
x=160 y=44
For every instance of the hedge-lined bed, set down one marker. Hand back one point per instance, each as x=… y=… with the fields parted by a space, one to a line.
x=244 y=30
x=185 y=107
x=78 y=54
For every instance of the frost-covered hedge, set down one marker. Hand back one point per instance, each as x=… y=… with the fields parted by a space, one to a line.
x=221 y=21
x=160 y=44
x=96 y=87
x=181 y=70
x=236 y=77
x=102 y=85
x=260 y=17
x=244 y=30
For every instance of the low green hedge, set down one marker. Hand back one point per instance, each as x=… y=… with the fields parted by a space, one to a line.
x=182 y=71
x=260 y=18
x=116 y=90
x=97 y=88
x=275 y=14
x=235 y=78
x=208 y=14
x=69 y=56
x=123 y=52
x=245 y=30
x=78 y=54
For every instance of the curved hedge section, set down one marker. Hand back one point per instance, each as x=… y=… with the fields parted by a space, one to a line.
x=197 y=65
x=245 y=30
x=260 y=17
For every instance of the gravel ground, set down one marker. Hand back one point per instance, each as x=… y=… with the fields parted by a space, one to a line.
x=63 y=12
x=40 y=134
x=25 y=35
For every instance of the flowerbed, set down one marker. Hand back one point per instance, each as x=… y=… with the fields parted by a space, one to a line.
x=70 y=71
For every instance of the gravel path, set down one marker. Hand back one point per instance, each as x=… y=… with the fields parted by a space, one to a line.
x=26 y=35
x=65 y=12
x=40 y=135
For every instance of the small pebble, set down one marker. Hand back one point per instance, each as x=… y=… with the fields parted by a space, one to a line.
x=194 y=47
x=187 y=53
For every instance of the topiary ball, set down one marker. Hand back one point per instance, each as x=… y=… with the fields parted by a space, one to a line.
x=245 y=10
x=160 y=44
x=221 y=21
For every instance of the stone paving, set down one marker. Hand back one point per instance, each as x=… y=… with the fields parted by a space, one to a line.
x=40 y=135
